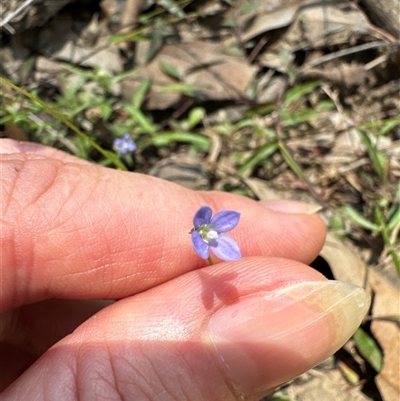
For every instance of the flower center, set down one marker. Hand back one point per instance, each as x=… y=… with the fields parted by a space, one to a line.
x=208 y=234
x=212 y=235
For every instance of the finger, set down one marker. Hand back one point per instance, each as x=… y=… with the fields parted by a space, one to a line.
x=226 y=332
x=83 y=231
x=27 y=332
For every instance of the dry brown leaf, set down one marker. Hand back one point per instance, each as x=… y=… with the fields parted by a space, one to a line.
x=182 y=170
x=328 y=23
x=316 y=25
x=262 y=189
x=99 y=56
x=348 y=145
x=217 y=76
x=349 y=75
x=386 y=287
x=346 y=264
x=267 y=16
x=384 y=13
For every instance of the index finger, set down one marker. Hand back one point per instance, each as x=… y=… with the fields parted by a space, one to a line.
x=82 y=231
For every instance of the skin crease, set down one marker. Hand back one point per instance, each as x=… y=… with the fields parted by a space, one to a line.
x=83 y=233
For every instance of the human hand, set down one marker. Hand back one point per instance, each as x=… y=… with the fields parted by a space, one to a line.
x=74 y=233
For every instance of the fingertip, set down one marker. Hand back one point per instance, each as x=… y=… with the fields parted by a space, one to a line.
x=267 y=338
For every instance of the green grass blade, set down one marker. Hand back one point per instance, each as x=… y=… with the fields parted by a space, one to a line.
x=180 y=87
x=107 y=154
x=139 y=118
x=140 y=94
x=274 y=397
x=360 y=220
x=386 y=238
x=170 y=70
x=262 y=154
x=165 y=139
x=376 y=157
x=299 y=91
x=196 y=115
x=297 y=117
x=394 y=219
x=369 y=349
x=291 y=162
x=386 y=125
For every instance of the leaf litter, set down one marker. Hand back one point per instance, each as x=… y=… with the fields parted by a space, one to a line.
x=318 y=81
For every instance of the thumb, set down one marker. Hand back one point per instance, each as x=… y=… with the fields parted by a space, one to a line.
x=231 y=331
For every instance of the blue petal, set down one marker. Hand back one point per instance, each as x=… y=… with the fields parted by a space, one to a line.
x=226 y=248
x=202 y=216
x=225 y=220
x=118 y=142
x=132 y=147
x=201 y=248
x=125 y=144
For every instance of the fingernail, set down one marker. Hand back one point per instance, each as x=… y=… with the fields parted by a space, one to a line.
x=288 y=206
x=265 y=339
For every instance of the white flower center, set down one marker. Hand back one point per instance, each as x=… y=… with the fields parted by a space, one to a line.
x=207 y=233
x=211 y=235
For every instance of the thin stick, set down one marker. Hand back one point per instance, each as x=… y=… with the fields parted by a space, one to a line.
x=15 y=13
x=347 y=52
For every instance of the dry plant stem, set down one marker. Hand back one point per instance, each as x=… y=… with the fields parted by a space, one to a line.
x=257 y=49
x=243 y=180
x=15 y=13
x=347 y=52
x=181 y=110
x=216 y=144
x=389 y=318
x=216 y=147
x=333 y=97
x=129 y=18
x=374 y=63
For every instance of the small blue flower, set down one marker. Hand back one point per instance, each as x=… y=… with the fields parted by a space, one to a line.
x=124 y=145
x=207 y=233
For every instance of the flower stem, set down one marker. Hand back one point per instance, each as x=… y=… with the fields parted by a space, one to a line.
x=210 y=261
